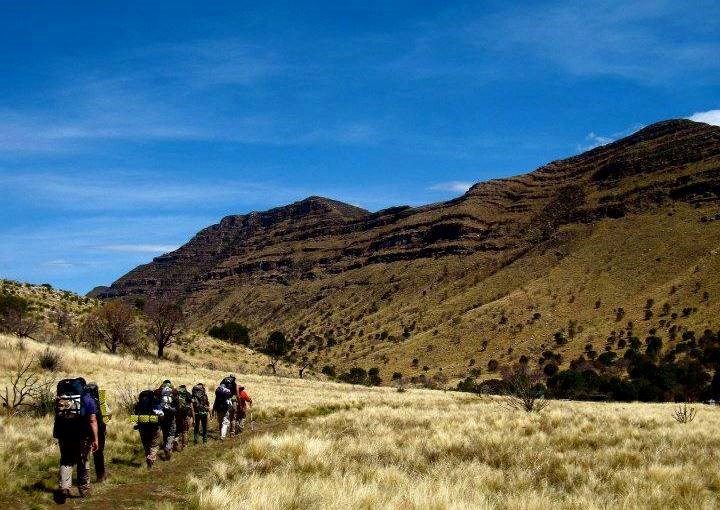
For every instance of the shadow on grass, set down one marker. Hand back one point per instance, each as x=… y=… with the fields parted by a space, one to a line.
x=125 y=462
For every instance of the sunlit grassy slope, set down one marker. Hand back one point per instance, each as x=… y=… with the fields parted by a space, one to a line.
x=440 y=311
x=431 y=450
x=357 y=447
x=27 y=450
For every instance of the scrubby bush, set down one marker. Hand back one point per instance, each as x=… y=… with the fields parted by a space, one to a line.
x=44 y=402
x=16 y=316
x=355 y=375
x=524 y=390
x=684 y=414
x=373 y=376
x=50 y=360
x=550 y=369
x=232 y=332
x=468 y=385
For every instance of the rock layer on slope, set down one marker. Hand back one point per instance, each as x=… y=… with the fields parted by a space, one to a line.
x=436 y=286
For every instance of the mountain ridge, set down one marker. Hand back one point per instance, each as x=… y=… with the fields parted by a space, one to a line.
x=372 y=272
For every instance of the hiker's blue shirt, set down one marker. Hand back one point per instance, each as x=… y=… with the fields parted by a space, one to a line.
x=88 y=405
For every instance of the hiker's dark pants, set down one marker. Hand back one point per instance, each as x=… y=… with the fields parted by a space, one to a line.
x=150 y=437
x=182 y=429
x=168 y=426
x=99 y=455
x=200 y=419
x=74 y=452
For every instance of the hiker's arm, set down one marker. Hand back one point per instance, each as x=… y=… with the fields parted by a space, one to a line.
x=94 y=427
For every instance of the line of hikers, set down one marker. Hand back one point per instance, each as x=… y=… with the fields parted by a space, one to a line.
x=162 y=416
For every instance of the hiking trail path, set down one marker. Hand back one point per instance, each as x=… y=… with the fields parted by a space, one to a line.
x=136 y=487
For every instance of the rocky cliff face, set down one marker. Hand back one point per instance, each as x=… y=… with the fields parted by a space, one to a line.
x=385 y=285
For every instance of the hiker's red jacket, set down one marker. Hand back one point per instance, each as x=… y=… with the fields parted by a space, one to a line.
x=243 y=399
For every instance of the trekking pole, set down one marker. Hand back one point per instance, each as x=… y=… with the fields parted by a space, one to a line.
x=252 y=423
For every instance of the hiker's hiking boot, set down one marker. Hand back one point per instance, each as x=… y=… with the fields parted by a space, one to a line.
x=61 y=495
x=149 y=463
x=101 y=478
x=84 y=492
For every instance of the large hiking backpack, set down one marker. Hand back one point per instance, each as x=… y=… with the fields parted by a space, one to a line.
x=167 y=400
x=222 y=398
x=200 y=399
x=145 y=408
x=68 y=400
x=184 y=400
x=100 y=398
x=146 y=402
x=230 y=383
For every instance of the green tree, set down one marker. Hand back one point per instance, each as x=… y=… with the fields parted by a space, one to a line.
x=653 y=346
x=16 y=316
x=374 y=377
x=277 y=347
x=232 y=332
x=356 y=375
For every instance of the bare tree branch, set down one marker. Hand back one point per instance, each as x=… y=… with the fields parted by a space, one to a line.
x=26 y=384
x=165 y=323
x=112 y=324
x=522 y=390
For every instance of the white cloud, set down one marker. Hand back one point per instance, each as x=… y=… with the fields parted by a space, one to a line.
x=612 y=38
x=59 y=264
x=709 y=117
x=139 y=248
x=118 y=190
x=452 y=186
x=593 y=140
x=597 y=140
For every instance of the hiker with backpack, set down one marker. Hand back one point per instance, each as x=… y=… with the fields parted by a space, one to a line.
x=185 y=416
x=243 y=402
x=231 y=382
x=200 y=408
x=222 y=407
x=103 y=416
x=76 y=429
x=148 y=413
x=169 y=401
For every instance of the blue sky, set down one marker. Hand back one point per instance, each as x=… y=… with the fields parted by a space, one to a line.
x=125 y=127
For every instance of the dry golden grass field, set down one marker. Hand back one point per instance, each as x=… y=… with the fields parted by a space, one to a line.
x=354 y=447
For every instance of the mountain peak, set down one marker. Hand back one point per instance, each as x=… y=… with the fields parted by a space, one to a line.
x=318 y=204
x=666 y=127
